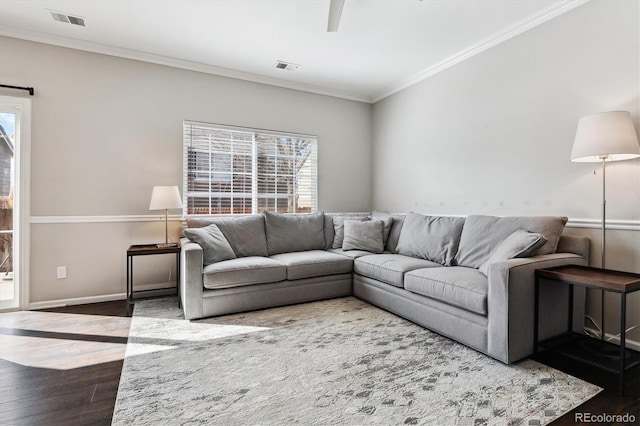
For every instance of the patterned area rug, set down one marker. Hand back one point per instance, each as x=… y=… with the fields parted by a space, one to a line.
x=339 y=361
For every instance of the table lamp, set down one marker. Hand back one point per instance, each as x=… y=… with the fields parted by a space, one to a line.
x=165 y=198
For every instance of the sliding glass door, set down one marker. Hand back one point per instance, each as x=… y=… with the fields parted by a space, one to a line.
x=14 y=129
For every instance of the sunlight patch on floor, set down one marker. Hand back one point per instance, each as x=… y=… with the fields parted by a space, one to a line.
x=62 y=341
x=54 y=322
x=58 y=354
x=180 y=329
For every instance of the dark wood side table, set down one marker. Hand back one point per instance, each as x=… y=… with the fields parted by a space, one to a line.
x=597 y=353
x=146 y=250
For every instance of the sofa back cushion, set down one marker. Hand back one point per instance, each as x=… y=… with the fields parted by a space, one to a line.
x=294 y=232
x=364 y=235
x=245 y=234
x=392 y=235
x=482 y=234
x=433 y=238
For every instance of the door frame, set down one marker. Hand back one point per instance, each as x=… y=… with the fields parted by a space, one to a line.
x=22 y=199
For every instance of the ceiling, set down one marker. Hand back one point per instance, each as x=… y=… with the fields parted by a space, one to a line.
x=381 y=46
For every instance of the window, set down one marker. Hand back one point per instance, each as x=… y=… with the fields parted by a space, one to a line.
x=231 y=170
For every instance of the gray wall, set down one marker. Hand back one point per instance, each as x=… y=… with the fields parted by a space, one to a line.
x=106 y=130
x=493 y=134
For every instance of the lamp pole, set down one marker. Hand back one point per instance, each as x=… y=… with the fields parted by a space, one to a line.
x=602 y=237
x=166 y=227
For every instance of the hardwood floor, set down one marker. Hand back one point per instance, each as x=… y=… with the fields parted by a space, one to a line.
x=62 y=367
x=606 y=402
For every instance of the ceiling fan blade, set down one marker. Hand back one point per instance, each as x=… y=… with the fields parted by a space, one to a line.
x=335 y=12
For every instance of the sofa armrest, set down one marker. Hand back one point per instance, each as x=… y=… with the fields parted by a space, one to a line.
x=511 y=304
x=191 y=284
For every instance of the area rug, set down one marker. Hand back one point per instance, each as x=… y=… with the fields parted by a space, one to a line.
x=335 y=362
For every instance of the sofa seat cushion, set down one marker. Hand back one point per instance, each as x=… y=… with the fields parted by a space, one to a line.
x=463 y=287
x=389 y=268
x=313 y=263
x=353 y=254
x=243 y=271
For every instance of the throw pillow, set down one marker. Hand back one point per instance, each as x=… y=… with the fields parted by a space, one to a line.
x=433 y=238
x=392 y=236
x=245 y=234
x=215 y=246
x=338 y=228
x=295 y=232
x=482 y=234
x=367 y=236
x=519 y=244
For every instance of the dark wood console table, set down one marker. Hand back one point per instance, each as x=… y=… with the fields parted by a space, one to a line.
x=597 y=353
x=146 y=250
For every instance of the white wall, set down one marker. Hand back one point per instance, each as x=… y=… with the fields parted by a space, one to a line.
x=106 y=130
x=493 y=134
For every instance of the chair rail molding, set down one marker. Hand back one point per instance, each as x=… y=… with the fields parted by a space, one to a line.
x=102 y=219
x=612 y=224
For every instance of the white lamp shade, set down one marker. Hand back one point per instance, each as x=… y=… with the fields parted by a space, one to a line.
x=165 y=197
x=607 y=135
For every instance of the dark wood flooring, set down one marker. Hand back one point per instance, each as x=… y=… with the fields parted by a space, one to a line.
x=606 y=402
x=86 y=395
x=72 y=396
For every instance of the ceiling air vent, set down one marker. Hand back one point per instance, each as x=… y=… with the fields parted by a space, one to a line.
x=286 y=66
x=66 y=18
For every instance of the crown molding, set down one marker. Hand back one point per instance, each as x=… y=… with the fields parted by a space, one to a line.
x=494 y=39
x=505 y=34
x=136 y=55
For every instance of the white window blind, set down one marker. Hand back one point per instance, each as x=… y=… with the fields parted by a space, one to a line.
x=229 y=170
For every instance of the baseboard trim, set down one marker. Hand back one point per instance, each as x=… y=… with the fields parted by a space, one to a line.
x=97 y=299
x=76 y=301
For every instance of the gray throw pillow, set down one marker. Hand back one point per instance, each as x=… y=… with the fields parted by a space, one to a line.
x=392 y=235
x=215 y=246
x=368 y=235
x=295 y=232
x=433 y=238
x=245 y=234
x=387 y=219
x=338 y=228
x=482 y=234
x=519 y=244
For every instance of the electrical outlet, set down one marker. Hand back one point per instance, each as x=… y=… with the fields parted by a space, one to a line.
x=61 y=272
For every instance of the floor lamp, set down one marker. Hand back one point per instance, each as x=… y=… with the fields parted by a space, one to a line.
x=165 y=198
x=603 y=137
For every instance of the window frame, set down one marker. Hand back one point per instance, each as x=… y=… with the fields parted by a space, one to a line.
x=260 y=140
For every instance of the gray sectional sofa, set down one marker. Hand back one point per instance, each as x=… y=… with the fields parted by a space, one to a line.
x=470 y=279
